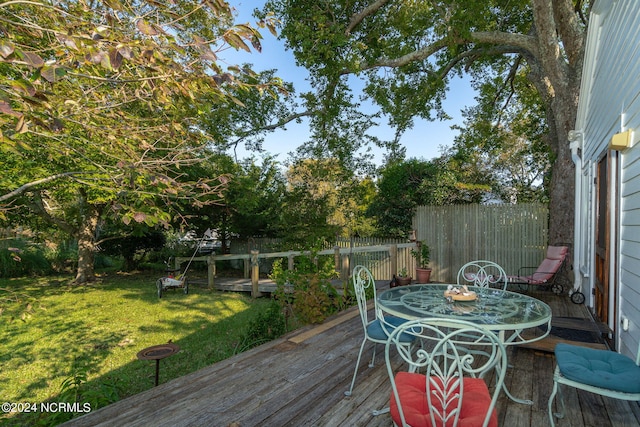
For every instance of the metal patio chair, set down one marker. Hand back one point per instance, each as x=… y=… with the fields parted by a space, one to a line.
x=486 y=274
x=376 y=330
x=444 y=384
x=603 y=372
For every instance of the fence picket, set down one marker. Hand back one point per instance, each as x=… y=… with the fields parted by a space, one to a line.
x=513 y=236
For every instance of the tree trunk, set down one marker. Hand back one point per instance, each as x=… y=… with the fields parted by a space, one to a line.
x=557 y=78
x=562 y=184
x=561 y=200
x=86 y=245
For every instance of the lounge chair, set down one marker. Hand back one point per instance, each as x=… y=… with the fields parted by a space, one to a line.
x=546 y=273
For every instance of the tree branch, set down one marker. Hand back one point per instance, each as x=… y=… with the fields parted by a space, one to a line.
x=38 y=207
x=416 y=55
x=510 y=79
x=287 y=119
x=22 y=189
x=359 y=17
x=570 y=30
x=273 y=126
x=519 y=42
x=514 y=43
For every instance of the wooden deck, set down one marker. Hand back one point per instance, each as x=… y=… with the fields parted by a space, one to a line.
x=236 y=284
x=240 y=284
x=300 y=379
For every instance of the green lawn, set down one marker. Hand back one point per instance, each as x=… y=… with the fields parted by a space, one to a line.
x=98 y=329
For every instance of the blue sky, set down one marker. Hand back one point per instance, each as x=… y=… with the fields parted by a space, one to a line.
x=423 y=141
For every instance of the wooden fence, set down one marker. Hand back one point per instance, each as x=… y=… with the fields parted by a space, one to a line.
x=513 y=236
x=375 y=253
x=382 y=260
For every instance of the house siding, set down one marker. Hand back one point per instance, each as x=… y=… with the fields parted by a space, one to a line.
x=610 y=103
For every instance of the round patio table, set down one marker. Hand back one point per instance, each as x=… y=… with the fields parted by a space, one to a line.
x=506 y=313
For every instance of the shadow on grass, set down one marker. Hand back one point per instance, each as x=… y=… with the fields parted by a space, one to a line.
x=97 y=331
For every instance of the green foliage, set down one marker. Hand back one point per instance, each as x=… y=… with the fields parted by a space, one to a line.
x=422 y=255
x=307 y=289
x=398 y=195
x=64 y=256
x=506 y=142
x=254 y=199
x=133 y=248
x=404 y=185
x=21 y=258
x=105 y=120
x=266 y=326
x=405 y=55
x=326 y=198
x=74 y=390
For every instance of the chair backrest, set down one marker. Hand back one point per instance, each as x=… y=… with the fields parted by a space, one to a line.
x=363 y=284
x=486 y=274
x=449 y=351
x=551 y=263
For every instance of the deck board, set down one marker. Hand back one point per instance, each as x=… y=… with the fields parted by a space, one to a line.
x=300 y=379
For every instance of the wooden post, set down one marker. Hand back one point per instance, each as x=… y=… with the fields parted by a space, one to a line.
x=347 y=268
x=393 y=255
x=246 y=264
x=336 y=260
x=211 y=271
x=255 y=274
x=344 y=269
x=290 y=262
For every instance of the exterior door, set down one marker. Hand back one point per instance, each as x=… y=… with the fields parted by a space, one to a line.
x=602 y=246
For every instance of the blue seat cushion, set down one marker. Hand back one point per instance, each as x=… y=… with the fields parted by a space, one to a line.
x=599 y=368
x=375 y=330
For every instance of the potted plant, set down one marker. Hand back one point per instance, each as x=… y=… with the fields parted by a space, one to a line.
x=422 y=254
x=403 y=277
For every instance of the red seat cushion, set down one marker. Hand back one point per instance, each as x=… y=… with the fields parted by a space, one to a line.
x=412 y=391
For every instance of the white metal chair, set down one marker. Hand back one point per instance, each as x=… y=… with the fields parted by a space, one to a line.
x=603 y=372
x=486 y=274
x=444 y=384
x=377 y=329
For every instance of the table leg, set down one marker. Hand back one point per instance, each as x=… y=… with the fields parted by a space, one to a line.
x=504 y=386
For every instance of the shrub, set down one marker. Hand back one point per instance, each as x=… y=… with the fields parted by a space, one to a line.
x=64 y=258
x=307 y=290
x=266 y=326
x=133 y=248
x=75 y=390
x=20 y=258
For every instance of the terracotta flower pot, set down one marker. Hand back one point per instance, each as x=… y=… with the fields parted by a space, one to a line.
x=423 y=275
x=403 y=281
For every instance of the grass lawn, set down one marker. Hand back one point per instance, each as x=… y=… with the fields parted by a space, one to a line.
x=97 y=330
